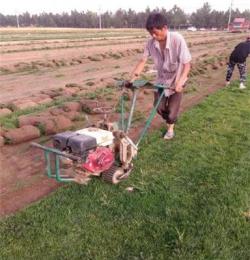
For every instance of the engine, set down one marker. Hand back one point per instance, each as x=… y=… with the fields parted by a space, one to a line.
x=92 y=145
x=99 y=160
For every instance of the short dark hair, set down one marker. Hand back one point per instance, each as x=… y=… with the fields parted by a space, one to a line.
x=156 y=20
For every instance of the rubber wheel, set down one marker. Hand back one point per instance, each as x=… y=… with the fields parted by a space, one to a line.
x=113 y=174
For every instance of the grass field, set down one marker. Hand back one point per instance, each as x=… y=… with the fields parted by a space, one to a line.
x=189 y=199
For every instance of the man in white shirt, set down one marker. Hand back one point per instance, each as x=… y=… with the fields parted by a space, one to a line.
x=171 y=58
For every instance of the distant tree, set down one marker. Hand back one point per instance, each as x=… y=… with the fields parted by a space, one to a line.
x=3 y=20
x=25 y=19
x=65 y=20
x=107 y=20
x=34 y=20
x=201 y=18
x=92 y=20
x=176 y=17
x=46 y=20
x=76 y=19
x=131 y=21
x=236 y=13
x=217 y=19
x=141 y=18
x=9 y=20
x=246 y=14
x=119 y=19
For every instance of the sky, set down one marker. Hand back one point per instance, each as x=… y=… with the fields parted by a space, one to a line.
x=59 y=6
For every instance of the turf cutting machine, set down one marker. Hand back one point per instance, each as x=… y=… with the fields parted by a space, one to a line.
x=103 y=150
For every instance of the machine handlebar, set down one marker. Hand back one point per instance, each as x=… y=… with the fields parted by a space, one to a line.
x=140 y=84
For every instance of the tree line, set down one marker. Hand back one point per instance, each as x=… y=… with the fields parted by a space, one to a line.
x=203 y=17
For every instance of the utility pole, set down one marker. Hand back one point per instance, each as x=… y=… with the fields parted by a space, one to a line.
x=100 y=18
x=230 y=14
x=17 y=20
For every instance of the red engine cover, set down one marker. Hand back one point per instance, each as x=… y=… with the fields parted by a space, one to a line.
x=99 y=160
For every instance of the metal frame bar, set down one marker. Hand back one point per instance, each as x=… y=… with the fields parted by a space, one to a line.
x=135 y=89
x=47 y=152
x=122 y=120
x=150 y=118
x=135 y=92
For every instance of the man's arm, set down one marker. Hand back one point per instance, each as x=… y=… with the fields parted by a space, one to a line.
x=138 y=69
x=183 y=78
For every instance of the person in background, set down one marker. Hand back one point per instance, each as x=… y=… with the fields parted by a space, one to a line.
x=171 y=58
x=238 y=57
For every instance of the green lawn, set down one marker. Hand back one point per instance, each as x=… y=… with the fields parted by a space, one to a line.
x=190 y=197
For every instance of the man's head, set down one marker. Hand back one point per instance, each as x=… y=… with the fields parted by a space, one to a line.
x=157 y=26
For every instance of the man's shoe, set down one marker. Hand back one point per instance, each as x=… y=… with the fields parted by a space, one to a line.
x=227 y=83
x=242 y=86
x=169 y=135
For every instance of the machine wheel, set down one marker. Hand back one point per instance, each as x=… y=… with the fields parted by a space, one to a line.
x=113 y=174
